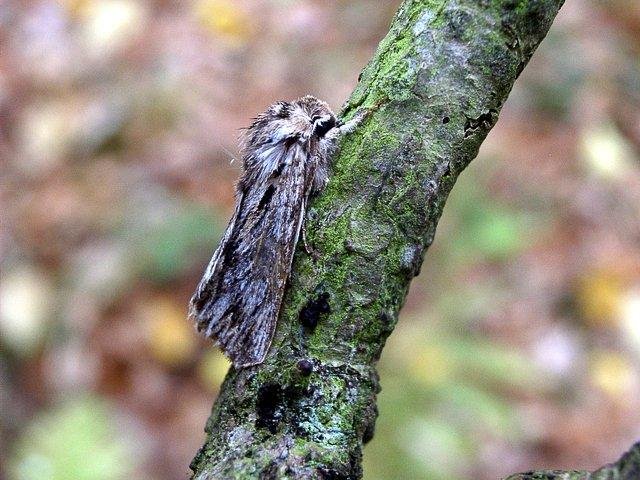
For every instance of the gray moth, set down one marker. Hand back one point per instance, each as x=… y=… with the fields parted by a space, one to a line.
x=286 y=155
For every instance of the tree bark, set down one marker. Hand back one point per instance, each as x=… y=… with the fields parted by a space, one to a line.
x=434 y=88
x=627 y=468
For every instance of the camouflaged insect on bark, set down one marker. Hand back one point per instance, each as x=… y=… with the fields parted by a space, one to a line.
x=286 y=154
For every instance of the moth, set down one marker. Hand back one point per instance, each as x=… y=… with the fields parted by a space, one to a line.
x=286 y=155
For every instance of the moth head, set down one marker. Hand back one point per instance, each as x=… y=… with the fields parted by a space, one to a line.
x=317 y=113
x=301 y=119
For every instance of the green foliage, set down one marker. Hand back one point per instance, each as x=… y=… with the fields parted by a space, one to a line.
x=75 y=441
x=487 y=229
x=440 y=394
x=165 y=247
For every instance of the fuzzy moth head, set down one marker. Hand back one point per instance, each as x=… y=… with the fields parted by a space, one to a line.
x=302 y=120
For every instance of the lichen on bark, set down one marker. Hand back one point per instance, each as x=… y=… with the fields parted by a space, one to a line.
x=434 y=89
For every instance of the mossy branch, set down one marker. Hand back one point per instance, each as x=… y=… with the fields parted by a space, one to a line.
x=434 y=90
x=627 y=468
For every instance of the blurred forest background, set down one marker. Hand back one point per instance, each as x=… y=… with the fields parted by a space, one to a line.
x=519 y=345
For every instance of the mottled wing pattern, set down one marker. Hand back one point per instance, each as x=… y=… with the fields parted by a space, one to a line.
x=238 y=300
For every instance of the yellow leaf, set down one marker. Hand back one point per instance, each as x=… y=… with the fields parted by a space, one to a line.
x=606 y=152
x=213 y=368
x=431 y=366
x=631 y=318
x=599 y=297
x=76 y=7
x=613 y=373
x=171 y=338
x=109 y=24
x=224 y=18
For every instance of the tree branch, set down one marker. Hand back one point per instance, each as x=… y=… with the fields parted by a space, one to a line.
x=627 y=468
x=435 y=87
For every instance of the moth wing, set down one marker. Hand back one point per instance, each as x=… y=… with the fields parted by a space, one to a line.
x=238 y=299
